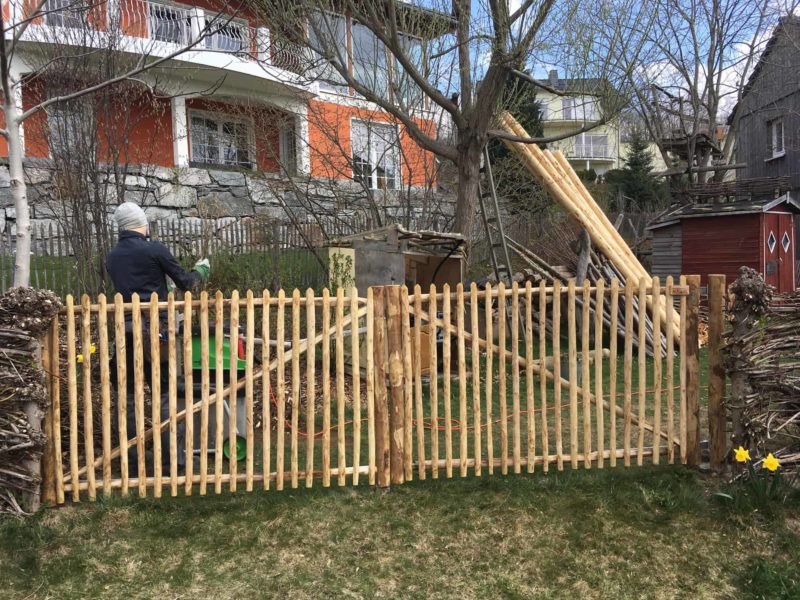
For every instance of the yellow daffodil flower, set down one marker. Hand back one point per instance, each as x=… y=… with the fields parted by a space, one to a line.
x=742 y=455
x=79 y=358
x=771 y=463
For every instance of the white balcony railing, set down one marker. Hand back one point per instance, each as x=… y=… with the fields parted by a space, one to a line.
x=591 y=151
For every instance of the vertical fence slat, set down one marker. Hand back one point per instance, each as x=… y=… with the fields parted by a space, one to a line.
x=55 y=365
x=682 y=375
x=613 y=333
x=598 y=372
x=188 y=397
x=311 y=382
x=515 y=389
x=657 y=358
x=417 y=363
x=394 y=365
x=557 y=395
x=692 y=372
x=669 y=327
x=408 y=383
x=326 y=388
x=233 y=396
x=433 y=384
x=219 y=384
x=542 y=377
x=138 y=393
x=586 y=382
x=72 y=386
x=250 y=349
x=122 y=389
x=172 y=372
x=381 y=405
x=155 y=393
x=573 y=374
x=488 y=301
x=502 y=317
x=355 y=356
x=205 y=390
x=642 y=368
x=462 y=382
x=295 y=466
x=341 y=434
x=88 y=425
x=280 y=336
x=446 y=393
x=628 y=374
x=716 y=372
x=529 y=381
x=476 y=378
x=369 y=349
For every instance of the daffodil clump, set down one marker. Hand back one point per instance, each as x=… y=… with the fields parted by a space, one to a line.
x=762 y=486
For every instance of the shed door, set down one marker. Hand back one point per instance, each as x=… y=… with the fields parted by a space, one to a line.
x=779 y=251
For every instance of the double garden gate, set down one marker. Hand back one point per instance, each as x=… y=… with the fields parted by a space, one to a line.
x=285 y=391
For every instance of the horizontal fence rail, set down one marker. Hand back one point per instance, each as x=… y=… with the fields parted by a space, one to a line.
x=276 y=391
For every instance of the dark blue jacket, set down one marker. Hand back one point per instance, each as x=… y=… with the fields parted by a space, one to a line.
x=137 y=265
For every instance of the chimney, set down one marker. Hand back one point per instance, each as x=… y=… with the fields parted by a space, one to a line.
x=552 y=77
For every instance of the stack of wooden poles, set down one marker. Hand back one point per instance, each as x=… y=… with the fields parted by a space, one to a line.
x=615 y=259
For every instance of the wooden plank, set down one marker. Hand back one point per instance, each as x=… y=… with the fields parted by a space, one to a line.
x=138 y=393
x=542 y=378
x=205 y=390
x=657 y=370
x=408 y=385
x=369 y=349
x=355 y=357
x=188 y=384
x=326 y=388
x=642 y=367
x=219 y=383
x=122 y=394
x=447 y=360
x=501 y=376
x=295 y=447
x=669 y=326
x=341 y=434
x=693 y=372
x=280 y=339
x=586 y=383
x=682 y=375
x=461 y=351
x=557 y=397
x=394 y=338
x=613 y=334
x=88 y=423
x=382 y=449
x=598 y=371
x=72 y=390
x=172 y=373
x=266 y=394
x=529 y=381
x=573 y=374
x=628 y=374
x=250 y=334
x=155 y=392
x=515 y=389
x=716 y=372
x=311 y=388
x=476 y=381
x=105 y=390
x=433 y=383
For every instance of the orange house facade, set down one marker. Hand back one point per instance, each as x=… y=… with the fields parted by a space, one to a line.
x=237 y=100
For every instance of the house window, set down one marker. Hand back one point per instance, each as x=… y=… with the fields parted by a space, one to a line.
x=288 y=148
x=544 y=112
x=568 y=108
x=221 y=140
x=169 y=24
x=592 y=145
x=327 y=33
x=369 y=60
x=68 y=124
x=62 y=13
x=226 y=35
x=775 y=138
x=376 y=155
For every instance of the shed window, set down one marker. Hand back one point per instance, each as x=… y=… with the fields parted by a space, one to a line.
x=775 y=138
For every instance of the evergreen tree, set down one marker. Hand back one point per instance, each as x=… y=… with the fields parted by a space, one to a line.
x=636 y=179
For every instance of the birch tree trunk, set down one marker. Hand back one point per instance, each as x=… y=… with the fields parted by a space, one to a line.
x=19 y=192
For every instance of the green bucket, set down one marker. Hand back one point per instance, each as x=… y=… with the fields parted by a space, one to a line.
x=241 y=448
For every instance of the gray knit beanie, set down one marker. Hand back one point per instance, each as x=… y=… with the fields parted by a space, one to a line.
x=129 y=215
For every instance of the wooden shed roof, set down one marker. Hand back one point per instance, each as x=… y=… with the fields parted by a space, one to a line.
x=719 y=209
x=396 y=238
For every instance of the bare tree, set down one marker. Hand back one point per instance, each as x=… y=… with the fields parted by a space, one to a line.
x=82 y=32
x=455 y=57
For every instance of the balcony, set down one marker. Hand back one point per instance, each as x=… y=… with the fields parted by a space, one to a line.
x=591 y=151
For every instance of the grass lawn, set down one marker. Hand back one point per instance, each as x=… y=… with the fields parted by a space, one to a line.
x=636 y=533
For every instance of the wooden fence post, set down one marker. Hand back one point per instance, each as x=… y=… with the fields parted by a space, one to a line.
x=396 y=385
x=716 y=372
x=692 y=372
x=381 y=406
x=48 y=485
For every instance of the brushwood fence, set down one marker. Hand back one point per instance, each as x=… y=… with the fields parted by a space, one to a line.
x=276 y=391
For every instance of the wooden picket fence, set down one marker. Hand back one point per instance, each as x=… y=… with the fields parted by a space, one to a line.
x=379 y=389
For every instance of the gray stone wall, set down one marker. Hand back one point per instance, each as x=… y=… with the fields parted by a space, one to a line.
x=191 y=193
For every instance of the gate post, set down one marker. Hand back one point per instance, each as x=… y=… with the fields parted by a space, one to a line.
x=48 y=485
x=692 y=372
x=716 y=372
x=382 y=452
x=396 y=384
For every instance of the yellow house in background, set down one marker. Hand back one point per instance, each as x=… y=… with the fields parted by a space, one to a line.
x=599 y=148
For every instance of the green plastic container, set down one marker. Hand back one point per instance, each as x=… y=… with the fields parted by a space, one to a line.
x=212 y=355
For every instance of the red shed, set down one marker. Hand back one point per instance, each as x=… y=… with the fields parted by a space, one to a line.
x=720 y=237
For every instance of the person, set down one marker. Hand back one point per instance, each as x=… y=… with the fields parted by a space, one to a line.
x=137 y=265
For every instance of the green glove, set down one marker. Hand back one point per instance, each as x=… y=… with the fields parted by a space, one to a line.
x=204 y=268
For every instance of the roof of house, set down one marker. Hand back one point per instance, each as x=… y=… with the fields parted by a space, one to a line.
x=720 y=209
x=573 y=85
